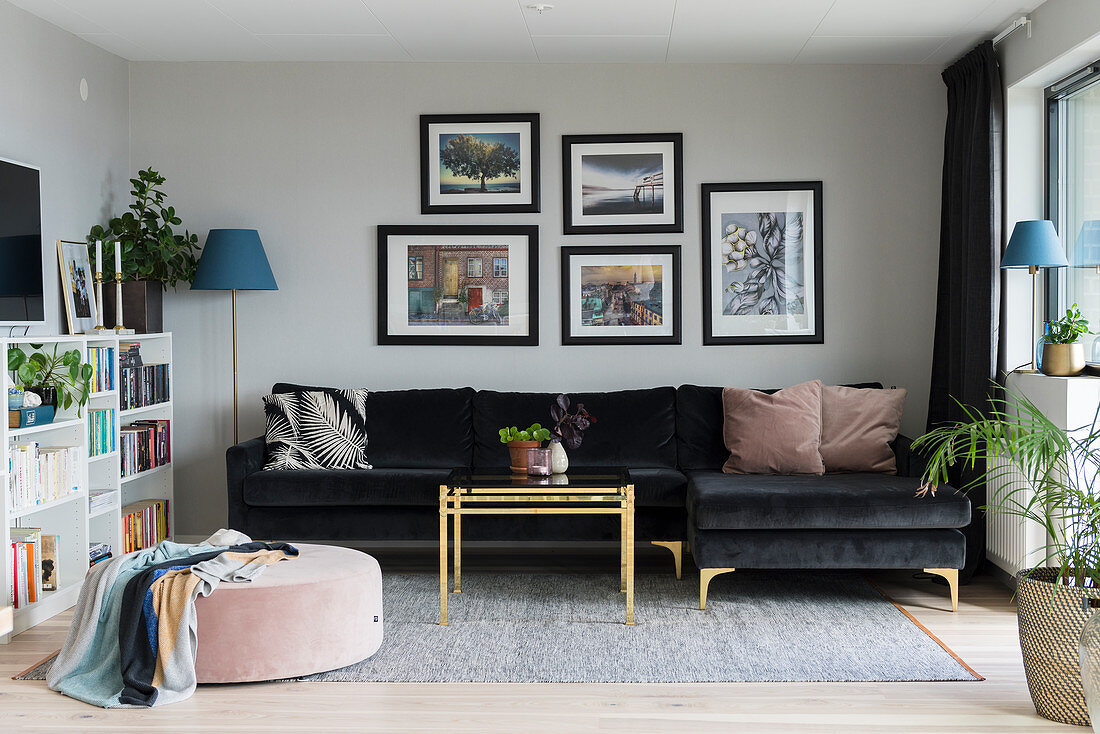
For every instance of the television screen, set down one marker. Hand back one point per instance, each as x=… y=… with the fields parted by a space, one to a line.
x=21 y=283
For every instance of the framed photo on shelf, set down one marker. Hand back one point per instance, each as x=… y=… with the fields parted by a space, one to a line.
x=479 y=164
x=622 y=184
x=762 y=263
x=620 y=294
x=458 y=285
x=78 y=286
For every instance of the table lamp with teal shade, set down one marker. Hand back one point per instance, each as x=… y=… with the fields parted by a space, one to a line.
x=1034 y=244
x=234 y=260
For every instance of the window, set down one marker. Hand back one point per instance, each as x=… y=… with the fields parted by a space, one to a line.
x=1073 y=195
x=473 y=267
x=500 y=267
x=500 y=297
x=416 y=268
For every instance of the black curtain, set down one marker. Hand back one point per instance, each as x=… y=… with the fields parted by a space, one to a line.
x=964 y=357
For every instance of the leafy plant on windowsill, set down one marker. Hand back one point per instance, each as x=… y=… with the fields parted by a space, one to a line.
x=151 y=249
x=1068 y=329
x=534 y=432
x=65 y=372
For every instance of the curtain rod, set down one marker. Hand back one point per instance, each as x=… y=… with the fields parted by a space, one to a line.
x=1017 y=24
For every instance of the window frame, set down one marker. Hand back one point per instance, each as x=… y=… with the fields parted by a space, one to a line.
x=500 y=272
x=480 y=267
x=416 y=263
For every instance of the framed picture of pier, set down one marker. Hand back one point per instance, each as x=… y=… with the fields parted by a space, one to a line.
x=622 y=184
x=479 y=164
x=762 y=263
x=620 y=294
x=458 y=285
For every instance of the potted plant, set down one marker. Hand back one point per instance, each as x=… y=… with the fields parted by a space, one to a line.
x=1063 y=353
x=1039 y=473
x=519 y=441
x=154 y=255
x=569 y=429
x=59 y=379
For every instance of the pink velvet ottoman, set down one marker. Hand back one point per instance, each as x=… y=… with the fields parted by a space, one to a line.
x=319 y=611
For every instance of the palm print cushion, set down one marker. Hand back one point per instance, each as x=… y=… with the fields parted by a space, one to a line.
x=317 y=430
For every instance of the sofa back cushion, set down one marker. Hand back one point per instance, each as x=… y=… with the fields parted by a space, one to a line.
x=858 y=428
x=633 y=428
x=415 y=429
x=699 y=419
x=776 y=433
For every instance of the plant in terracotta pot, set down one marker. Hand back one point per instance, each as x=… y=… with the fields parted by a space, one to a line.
x=519 y=441
x=60 y=379
x=1043 y=475
x=568 y=429
x=1063 y=353
x=154 y=255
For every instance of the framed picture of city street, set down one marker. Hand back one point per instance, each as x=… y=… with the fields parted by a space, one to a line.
x=622 y=184
x=620 y=294
x=762 y=274
x=468 y=285
x=479 y=164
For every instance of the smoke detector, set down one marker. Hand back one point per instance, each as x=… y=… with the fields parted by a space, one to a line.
x=540 y=8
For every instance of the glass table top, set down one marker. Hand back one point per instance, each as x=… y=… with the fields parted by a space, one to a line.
x=588 y=477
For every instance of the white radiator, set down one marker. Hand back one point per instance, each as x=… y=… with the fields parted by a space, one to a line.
x=1012 y=543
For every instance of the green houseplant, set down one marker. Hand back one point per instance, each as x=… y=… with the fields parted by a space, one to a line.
x=1047 y=476
x=64 y=376
x=1063 y=353
x=154 y=254
x=519 y=441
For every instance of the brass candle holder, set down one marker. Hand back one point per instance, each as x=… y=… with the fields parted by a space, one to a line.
x=119 y=328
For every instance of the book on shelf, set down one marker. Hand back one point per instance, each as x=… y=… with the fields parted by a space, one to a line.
x=39 y=474
x=101 y=431
x=24 y=586
x=145 y=445
x=129 y=354
x=102 y=360
x=98 y=552
x=145 y=385
x=98 y=499
x=144 y=524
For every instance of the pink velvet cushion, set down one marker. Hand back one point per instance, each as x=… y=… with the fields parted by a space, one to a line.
x=857 y=427
x=319 y=611
x=773 y=434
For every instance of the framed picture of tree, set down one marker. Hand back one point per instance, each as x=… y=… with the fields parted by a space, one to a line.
x=479 y=164
x=458 y=285
x=620 y=294
x=762 y=263
x=622 y=184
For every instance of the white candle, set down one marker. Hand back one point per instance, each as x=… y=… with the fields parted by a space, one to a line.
x=118 y=259
x=99 y=257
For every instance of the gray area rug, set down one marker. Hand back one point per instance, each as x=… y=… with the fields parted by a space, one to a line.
x=758 y=626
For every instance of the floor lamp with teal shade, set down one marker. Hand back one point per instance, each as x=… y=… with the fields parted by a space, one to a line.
x=1034 y=244
x=234 y=260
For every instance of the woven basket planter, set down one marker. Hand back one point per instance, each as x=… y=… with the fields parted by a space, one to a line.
x=1051 y=617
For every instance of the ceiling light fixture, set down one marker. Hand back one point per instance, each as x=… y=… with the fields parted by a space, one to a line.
x=540 y=8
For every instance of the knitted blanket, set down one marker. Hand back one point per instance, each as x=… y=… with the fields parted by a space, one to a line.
x=132 y=642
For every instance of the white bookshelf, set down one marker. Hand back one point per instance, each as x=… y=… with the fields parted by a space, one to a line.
x=69 y=517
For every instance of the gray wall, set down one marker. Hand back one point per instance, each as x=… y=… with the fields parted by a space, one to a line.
x=81 y=147
x=316 y=155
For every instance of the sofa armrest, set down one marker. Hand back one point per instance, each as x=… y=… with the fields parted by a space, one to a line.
x=241 y=460
x=910 y=463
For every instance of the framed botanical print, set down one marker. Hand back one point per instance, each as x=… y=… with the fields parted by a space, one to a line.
x=624 y=184
x=472 y=285
x=77 y=285
x=479 y=164
x=762 y=263
x=620 y=294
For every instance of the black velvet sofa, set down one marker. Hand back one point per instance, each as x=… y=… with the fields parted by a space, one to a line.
x=671 y=440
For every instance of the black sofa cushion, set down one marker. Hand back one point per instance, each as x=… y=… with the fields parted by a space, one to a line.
x=634 y=428
x=412 y=487
x=718 y=501
x=699 y=417
x=415 y=429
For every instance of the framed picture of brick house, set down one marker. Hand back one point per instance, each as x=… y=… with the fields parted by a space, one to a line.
x=620 y=294
x=458 y=285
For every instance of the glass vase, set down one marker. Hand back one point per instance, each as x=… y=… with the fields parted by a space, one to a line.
x=1039 y=346
x=1089 y=648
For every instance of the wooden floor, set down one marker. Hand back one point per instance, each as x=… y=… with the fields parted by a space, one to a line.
x=983 y=633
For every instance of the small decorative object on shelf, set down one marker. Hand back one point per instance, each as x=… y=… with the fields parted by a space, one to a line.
x=568 y=428
x=15 y=397
x=519 y=441
x=1063 y=352
x=81 y=308
x=61 y=380
x=99 y=327
x=538 y=462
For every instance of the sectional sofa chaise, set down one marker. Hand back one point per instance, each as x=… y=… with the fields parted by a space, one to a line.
x=671 y=440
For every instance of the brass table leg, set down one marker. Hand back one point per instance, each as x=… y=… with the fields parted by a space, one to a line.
x=443 y=554
x=622 y=545
x=630 y=554
x=458 y=541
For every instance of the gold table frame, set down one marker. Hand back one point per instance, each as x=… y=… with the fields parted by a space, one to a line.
x=540 y=499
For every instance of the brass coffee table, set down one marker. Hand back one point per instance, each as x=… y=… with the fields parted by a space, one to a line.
x=583 y=491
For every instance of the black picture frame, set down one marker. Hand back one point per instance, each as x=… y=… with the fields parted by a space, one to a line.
x=709 y=242
x=429 y=157
x=570 y=224
x=569 y=338
x=424 y=234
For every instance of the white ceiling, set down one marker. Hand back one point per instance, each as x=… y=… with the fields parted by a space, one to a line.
x=575 y=31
